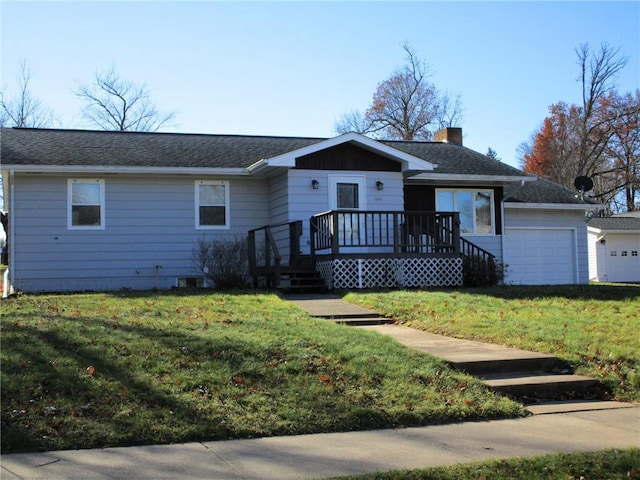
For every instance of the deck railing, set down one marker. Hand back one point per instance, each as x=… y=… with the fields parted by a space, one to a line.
x=479 y=265
x=395 y=233
x=272 y=246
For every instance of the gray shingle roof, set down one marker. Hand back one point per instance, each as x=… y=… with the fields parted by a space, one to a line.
x=616 y=223
x=455 y=159
x=99 y=148
x=541 y=191
x=50 y=147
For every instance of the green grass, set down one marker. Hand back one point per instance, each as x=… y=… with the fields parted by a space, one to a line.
x=609 y=464
x=593 y=327
x=96 y=370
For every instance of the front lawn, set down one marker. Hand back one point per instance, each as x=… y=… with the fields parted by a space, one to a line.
x=610 y=464
x=97 y=370
x=596 y=328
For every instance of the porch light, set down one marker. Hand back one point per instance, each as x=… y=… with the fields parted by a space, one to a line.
x=379 y=185
x=315 y=184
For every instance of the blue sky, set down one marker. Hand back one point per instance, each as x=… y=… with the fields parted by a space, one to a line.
x=292 y=68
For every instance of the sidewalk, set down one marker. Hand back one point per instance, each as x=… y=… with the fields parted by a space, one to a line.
x=579 y=426
x=338 y=454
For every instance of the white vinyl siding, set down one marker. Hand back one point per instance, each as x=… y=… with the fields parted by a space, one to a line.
x=85 y=204
x=149 y=238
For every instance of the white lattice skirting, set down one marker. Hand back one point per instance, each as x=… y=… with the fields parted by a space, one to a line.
x=391 y=272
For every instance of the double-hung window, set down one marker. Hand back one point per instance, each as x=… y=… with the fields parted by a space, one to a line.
x=475 y=208
x=212 y=204
x=85 y=204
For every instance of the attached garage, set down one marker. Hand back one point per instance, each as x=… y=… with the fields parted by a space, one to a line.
x=540 y=256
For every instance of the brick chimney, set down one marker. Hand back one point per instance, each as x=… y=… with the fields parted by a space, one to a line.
x=449 y=135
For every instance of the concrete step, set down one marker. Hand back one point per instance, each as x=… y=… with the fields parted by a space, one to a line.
x=529 y=387
x=303 y=282
x=571 y=406
x=496 y=366
x=356 y=321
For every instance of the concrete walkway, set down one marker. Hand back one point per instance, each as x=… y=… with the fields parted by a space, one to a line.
x=337 y=454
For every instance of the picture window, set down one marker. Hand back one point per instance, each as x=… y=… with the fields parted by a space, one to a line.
x=474 y=206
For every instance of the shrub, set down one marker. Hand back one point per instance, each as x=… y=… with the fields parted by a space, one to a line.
x=223 y=262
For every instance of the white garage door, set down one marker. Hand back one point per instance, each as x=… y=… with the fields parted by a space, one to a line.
x=540 y=256
x=623 y=258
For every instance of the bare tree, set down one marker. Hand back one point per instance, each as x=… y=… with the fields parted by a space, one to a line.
x=23 y=110
x=598 y=72
x=117 y=104
x=598 y=138
x=405 y=106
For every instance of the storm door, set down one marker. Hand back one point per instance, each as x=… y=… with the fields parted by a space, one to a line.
x=348 y=193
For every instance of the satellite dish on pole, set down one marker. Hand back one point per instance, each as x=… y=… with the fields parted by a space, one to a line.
x=583 y=184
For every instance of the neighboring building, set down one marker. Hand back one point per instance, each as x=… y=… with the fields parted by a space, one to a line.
x=95 y=210
x=614 y=248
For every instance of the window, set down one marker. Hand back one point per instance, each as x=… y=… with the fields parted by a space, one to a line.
x=212 y=204
x=475 y=208
x=624 y=253
x=634 y=253
x=85 y=204
x=614 y=253
x=347 y=196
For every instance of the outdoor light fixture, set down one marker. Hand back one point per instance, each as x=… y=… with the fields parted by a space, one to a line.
x=315 y=184
x=379 y=185
x=603 y=241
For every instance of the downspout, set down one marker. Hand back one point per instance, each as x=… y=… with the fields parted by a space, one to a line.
x=503 y=230
x=7 y=281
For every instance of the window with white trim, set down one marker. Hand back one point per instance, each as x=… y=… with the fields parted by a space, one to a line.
x=475 y=207
x=85 y=204
x=212 y=204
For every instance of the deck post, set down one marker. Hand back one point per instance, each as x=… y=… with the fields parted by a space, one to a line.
x=253 y=267
x=295 y=232
x=396 y=233
x=456 y=232
x=335 y=238
x=313 y=229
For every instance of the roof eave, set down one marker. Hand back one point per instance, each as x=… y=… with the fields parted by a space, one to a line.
x=607 y=230
x=468 y=178
x=98 y=169
x=408 y=161
x=552 y=206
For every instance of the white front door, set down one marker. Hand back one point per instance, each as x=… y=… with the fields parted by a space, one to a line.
x=348 y=193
